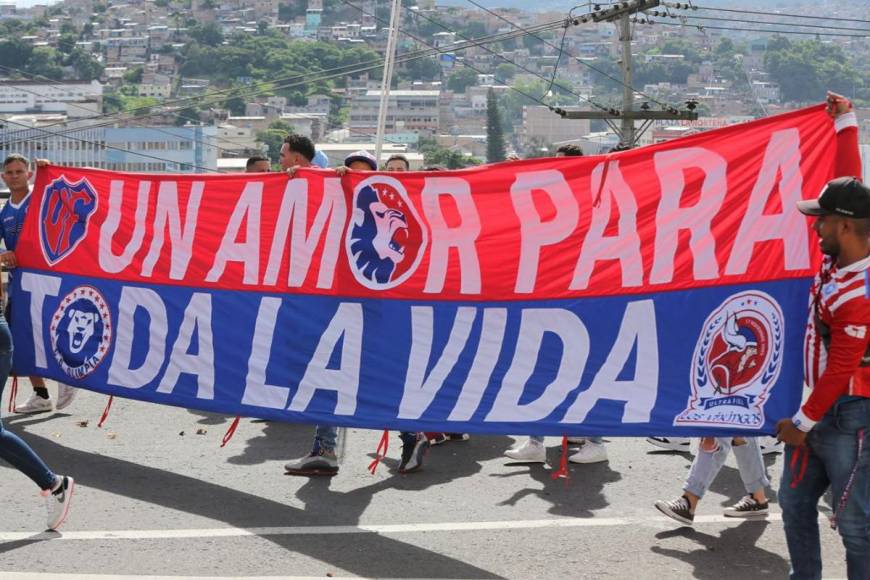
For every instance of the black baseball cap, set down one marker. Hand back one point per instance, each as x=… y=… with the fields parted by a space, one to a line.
x=844 y=196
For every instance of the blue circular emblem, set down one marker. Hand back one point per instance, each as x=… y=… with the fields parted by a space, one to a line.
x=81 y=331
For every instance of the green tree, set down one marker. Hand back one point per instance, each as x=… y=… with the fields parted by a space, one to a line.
x=134 y=76
x=186 y=115
x=460 y=80
x=495 y=146
x=805 y=69
x=14 y=52
x=86 y=66
x=66 y=42
x=423 y=69
x=290 y=10
x=44 y=61
x=505 y=72
x=235 y=103
x=273 y=138
x=112 y=103
x=209 y=34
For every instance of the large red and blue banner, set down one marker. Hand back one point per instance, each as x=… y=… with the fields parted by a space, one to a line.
x=661 y=290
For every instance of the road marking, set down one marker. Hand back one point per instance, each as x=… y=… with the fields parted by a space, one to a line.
x=61 y=576
x=366 y=529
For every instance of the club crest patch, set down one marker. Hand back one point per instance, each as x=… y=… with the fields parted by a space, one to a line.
x=736 y=361
x=64 y=214
x=81 y=331
x=386 y=239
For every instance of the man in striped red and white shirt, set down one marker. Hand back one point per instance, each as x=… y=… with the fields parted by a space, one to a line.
x=828 y=443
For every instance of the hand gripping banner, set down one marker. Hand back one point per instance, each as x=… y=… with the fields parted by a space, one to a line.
x=656 y=291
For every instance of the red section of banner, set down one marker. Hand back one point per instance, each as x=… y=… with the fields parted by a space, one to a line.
x=712 y=208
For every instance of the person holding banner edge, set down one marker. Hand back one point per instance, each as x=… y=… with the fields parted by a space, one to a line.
x=16 y=175
x=56 y=489
x=827 y=442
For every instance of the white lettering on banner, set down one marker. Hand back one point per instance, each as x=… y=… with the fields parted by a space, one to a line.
x=180 y=237
x=248 y=252
x=638 y=326
x=347 y=326
x=39 y=286
x=197 y=317
x=462 y=237
x=671 y=219
x=420 y=388
x=110 y=262
x=488 y=349
x=625 y=246
x=133 y=299
x=257 y=392
x=535 y=323
x=535 y=233
x=782 y=158
x=333 y=206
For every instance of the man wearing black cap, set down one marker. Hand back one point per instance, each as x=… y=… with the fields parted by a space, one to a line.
x=828 y=439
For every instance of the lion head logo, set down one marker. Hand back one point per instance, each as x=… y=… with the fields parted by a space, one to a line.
x=385 y=240
x=81 y=331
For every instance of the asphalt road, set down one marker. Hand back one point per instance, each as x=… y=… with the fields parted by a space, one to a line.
x=157 y=498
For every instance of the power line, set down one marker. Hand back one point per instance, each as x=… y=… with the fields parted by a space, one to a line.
x=702 y=27
x=521 y=33
x=692 y=6
x=56 y=83
x=581 y=61
x=305 y=78
x=744 y=20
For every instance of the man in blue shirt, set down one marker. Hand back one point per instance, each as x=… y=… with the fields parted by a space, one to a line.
x=16 y=174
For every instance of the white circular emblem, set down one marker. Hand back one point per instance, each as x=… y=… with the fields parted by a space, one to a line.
x=385 y=239
x=81 y=331
x=736 y=362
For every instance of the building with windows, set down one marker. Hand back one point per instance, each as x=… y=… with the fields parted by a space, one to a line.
x=414 y=111
x=70 y=98
x=191 y=149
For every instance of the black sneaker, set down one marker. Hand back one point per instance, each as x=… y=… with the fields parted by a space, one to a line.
x=678 y=509
x=747 y=507
x=414 y=447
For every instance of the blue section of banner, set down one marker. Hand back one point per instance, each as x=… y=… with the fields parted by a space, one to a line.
x=619 y=366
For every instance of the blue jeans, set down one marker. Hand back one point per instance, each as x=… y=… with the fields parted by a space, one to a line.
x=708 y=464
x=12 y=449
x=832 y=459
x=327 y=435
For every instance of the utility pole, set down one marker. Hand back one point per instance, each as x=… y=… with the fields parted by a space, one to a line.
x=389 y=60
x=627 y=90
x=622 y=11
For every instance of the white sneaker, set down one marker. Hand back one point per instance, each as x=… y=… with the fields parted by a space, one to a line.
x=529 y=452
x=769 y=445
x=589 y=453
x=682 y=444
x=65 y=396
x=57 y=502
x=35 y=404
